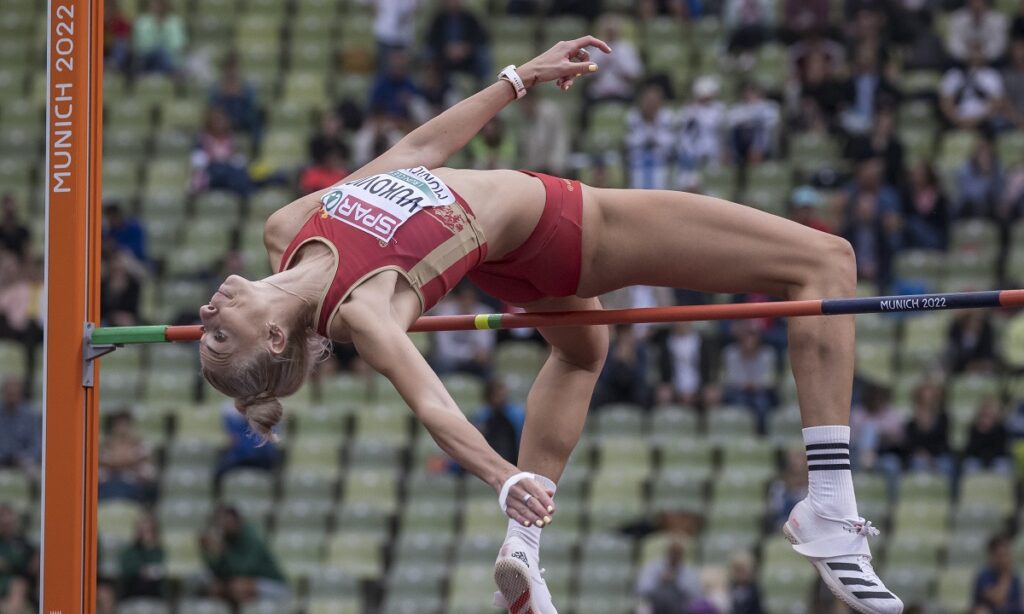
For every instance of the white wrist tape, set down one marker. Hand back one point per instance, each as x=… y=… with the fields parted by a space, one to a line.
x=509 y=483
x=509 y=74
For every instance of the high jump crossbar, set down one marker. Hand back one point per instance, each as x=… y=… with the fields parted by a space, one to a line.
x=128 y=335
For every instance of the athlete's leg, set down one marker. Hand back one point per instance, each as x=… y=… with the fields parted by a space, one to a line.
x=701 y=243
x=556 y=410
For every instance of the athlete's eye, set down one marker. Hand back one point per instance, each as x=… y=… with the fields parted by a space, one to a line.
x=219 y=337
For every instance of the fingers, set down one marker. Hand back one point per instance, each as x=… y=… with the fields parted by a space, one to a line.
x=528 y=504
x=589 y=41
x=542 y=503
x=581 y=56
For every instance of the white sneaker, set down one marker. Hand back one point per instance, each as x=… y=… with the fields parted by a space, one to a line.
x=520 y=580
x=838 y=549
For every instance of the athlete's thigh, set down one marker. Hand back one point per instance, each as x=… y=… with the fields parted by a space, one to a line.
x=583 y=346
x=682 y=240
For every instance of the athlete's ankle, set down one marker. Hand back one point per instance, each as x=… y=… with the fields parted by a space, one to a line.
x=829 y=480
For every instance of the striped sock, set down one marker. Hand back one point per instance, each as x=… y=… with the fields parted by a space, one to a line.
x=530 y=535
x=829 y=480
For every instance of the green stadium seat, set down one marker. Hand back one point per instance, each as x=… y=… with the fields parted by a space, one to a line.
x=355 y=553
x=187 y=511
x=729 y=423
x=192 y=453
x=471 y=586
x=690 y=455
x=383 y=424
x=995 y=490
x=143 y=605
x=678 y=491
x=954 y=587
x=264 y=606
x=245 y=484
x=15 y=488
x=482 y=518
x=315 y=456
x=911 y=584
x=200 y=424
x=921 y=487
x=717 y=548
x=738 y=484
x=299 y=552
x=920 y=518
x=736 y=515
x=373 y=454
x=195 y=605
x=334 y=605
x=117 y=518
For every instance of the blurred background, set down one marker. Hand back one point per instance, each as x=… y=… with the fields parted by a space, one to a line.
x=895 y=124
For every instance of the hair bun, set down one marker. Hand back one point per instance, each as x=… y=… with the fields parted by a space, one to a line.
x=263 y=412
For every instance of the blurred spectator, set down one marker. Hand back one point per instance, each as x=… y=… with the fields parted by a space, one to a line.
x=701 y=129
x=330 y=135
x=621 y=70
x=393 y=90
x=876 y=435
x=542 y=135
x=882 y=142
x=925 y=49
x=378 y=134
x=925 y=210
x=926 y=434
x=21 y=435
x=820 y=47
x=495 y=146
x=753 y=122
x=458 y=39
x=242 y=566
x=463 y=351
x=236 y=96
x=394 y=26
x=789 y=488
x=744 y=593
x=436 y=93
x=805 y=204
x=977 y=25
x=972 y=96
x=987 y=441
x=15 y=236
x=501 y=421
x=749 y=372
x=119 y=291
x=801 y=17
x=217 y=163
x=980 y=181
x=19 y=563
x=682 y=361
x=117 y=37
x=159 y=39
x=323 y=173
x=872 y=221
x=124 y=233
x=748 y=23
x=143 y=561
x=21 y=298
x=243 y=449
x=820 y=90
x=669 y=585
x=997 y=587
x=624 y=378
x=650 y=140
x=127 y=470
x=1013 y=82
x=1011 y=203
x=971 y=343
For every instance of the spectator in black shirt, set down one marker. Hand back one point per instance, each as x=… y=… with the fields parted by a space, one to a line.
x=925 y=210
x=624 y=378
x=458 y=39
x=19 y=563
x=880 y=142
x=15 y=236
x=501 y=421
x=143 y=562
x=926 y=435
x=987 y=441
x=119 y=292
x=744 y=594
x=971 y=343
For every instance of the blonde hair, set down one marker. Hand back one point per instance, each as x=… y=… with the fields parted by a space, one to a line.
x=258 y=382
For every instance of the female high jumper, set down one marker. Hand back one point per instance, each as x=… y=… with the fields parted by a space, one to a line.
x=359 y=262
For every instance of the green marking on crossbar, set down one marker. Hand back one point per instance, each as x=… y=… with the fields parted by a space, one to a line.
x=129 y=334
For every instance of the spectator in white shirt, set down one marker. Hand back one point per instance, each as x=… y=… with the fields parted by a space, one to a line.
x=463 y=351
x=752 y=125
x=973 y=96
x=543 y=136
x=977 y=24
x=701 y=127
x=393 y=27
x=750 y=373
x=683 y=346
x=650 y=140
x=620 y=70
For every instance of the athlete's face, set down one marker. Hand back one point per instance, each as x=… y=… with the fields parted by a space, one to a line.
x=232 y=320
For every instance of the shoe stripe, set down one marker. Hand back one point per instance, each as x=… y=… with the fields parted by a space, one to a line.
x=844 y=567
x=857 y=582
x=832 y=467
x=520 y=602
x=826 y=446
x=822 y=457
x=873 y=595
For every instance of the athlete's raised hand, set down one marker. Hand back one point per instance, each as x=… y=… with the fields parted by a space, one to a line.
x=527 y=502
x=563 y=63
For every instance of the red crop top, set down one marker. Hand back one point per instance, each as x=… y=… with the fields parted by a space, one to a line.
x=407 y=221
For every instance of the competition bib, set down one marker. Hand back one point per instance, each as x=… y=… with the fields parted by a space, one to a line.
x=380 y=204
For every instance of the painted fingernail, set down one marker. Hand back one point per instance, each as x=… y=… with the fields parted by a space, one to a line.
x=551 y=509
x=526 y=523
x=547 y=520
x=593 y=67
x=539 y=523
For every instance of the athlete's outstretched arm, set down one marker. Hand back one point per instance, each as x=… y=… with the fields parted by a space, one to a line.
x=386 y=347
x=434 y=142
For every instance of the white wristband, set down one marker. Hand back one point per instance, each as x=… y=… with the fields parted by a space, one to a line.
x=509 y=483
x=509 y=74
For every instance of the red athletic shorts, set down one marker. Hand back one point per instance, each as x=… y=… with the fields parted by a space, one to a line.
x=547 y=264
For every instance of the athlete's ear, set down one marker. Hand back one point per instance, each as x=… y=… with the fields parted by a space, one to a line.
x=276 y=338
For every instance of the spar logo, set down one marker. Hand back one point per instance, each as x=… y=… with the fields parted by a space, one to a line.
x=360 y=214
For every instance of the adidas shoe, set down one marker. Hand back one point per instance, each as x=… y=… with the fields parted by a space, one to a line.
x=839 y=550
x=520 y=580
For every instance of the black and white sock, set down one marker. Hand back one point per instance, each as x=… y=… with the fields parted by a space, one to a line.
x=829 y=480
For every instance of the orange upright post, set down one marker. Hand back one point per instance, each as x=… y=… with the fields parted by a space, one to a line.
x=73 y=191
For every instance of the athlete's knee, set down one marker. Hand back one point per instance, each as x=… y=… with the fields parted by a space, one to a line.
x=587 y=352
x=831 y=271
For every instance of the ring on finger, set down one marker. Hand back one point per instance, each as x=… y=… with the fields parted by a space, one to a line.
x=526 y=498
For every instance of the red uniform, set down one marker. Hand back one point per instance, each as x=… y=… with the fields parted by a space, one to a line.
x=435 y=246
